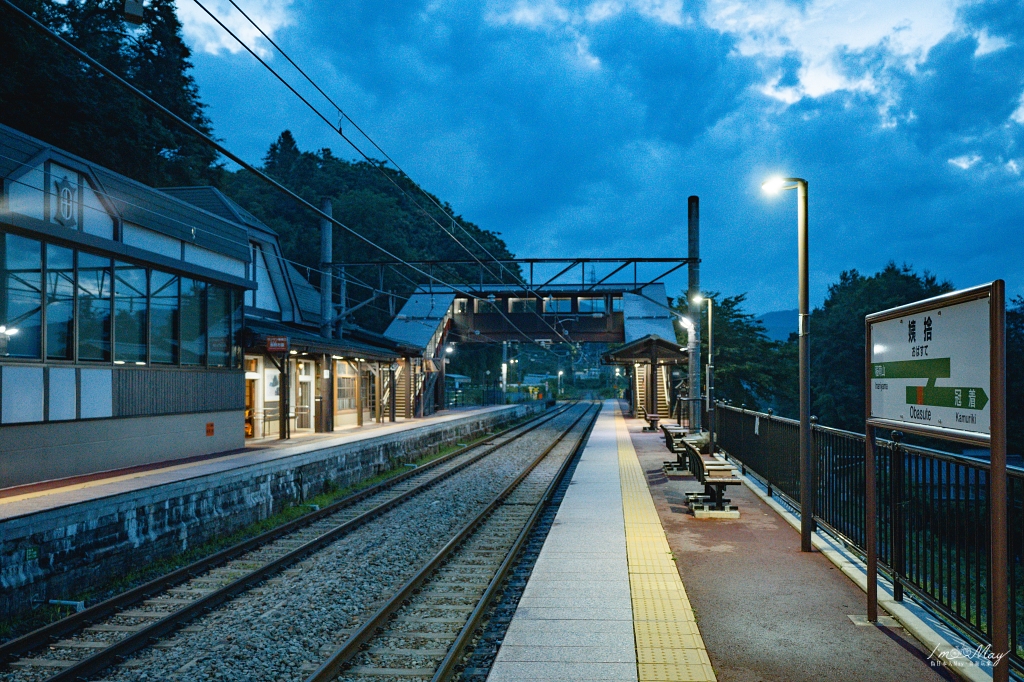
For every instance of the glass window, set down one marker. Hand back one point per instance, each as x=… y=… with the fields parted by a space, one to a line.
x=591 y=305
x=616 y=304
x=93 y=307
x=130 y=313
x=60 y=303
x=236 y=328
x=558 y=305
x=165 y=316
x=219 y=308
x=346 y=394
x=522 y=305
x=21 y=297
x=193 y=322
x=488 y=306
x=461 y=306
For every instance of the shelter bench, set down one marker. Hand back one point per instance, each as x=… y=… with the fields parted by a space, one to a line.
x=715 y=475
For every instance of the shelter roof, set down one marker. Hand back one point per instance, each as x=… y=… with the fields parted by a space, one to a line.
x=645 y=313
x=421 y=317
x=668 y=352
x=301 y=340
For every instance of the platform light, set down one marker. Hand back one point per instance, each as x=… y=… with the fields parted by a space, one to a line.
x=449 y=349
x=773 y=185
x=686 y=322
x=698 y=298
x=293 y=352
x=8 y=331
x=140 y=363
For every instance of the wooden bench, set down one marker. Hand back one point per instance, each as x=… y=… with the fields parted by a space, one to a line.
x=715 y=474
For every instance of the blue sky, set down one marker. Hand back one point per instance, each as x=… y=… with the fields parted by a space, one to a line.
x=579 y=128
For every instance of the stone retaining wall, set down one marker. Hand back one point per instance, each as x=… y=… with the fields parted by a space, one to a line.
x=60 y=553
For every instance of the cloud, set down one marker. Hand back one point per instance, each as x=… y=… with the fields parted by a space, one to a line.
x=205 y=35
x=579 y=127
x=820 y=32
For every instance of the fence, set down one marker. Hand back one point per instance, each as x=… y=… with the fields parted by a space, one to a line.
x=933 y=517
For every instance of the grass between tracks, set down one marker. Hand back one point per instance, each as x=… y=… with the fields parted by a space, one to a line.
x=26 y=622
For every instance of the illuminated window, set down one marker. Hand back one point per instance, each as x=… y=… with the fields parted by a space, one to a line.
x=591 y=305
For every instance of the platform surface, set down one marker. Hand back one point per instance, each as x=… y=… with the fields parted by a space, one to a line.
x=604 y=601
x=259 y=452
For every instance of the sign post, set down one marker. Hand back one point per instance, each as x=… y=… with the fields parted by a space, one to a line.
x=937 y=368
x=279 y=344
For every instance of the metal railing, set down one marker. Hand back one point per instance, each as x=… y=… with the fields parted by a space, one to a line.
x=933 y=517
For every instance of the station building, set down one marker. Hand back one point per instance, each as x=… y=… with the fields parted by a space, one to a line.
x=121 y=311
x=135 y=324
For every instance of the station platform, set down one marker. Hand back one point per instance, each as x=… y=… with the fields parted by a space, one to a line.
x=629 y=585
x=48 y=495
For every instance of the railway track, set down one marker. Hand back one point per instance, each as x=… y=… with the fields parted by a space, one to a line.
x=423 y=630
x=85 y=643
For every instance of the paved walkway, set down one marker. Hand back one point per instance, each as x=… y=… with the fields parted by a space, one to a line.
x=264 y=450
x=766 y=610
x=604 y=601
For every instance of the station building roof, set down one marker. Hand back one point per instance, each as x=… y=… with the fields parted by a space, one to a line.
x=108 y=211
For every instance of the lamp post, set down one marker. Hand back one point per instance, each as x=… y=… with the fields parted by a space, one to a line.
x=560 y=373
x=807 y=492
x=690 y=328
x=710 y=395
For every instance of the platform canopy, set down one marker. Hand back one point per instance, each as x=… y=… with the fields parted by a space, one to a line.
x=643 y=349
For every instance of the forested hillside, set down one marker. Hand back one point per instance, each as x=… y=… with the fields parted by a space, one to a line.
x=49 y=94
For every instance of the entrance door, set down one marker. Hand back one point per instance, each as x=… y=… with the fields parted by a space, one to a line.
x=304 y=402
x=250 y=408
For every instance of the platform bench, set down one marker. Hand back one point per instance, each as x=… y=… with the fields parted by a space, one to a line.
x=714 y=474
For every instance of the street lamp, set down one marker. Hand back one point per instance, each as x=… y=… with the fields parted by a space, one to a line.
x=560 y=373
x=710 y=395
x=774 y=186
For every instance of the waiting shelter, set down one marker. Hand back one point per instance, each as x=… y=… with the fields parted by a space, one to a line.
x=649 y=361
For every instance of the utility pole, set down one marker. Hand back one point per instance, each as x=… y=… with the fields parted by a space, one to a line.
x=326 y=258
x=693 y=344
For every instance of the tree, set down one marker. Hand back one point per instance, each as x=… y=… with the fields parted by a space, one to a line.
x=50 y=94
x=367 y=197
x=745 y=358
x=837 y=339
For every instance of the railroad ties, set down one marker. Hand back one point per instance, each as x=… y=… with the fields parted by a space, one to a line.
x=86 y=643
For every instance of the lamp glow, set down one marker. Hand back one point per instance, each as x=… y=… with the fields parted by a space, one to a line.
x=698 y=299
x=449 y=349
x=686 y=322
x=773 y=185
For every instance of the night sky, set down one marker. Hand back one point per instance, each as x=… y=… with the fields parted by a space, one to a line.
x=579 y=129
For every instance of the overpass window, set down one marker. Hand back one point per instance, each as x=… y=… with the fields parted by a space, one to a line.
x=130 y=312
x=522 y=305
x=461 y=306
x=165 y=314
x=60 y=303
x=488 y=306
x=21 y=284
x=558 y=305
x=591 y=305
x=219 y=307
x=193 y=322
x=616 y=304
x=94 y=297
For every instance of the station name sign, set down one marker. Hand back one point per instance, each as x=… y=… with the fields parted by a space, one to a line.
x=277 y=344
x=929 y=366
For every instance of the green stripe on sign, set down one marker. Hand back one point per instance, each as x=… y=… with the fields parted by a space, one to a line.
x=928 y=368
x=962 y=398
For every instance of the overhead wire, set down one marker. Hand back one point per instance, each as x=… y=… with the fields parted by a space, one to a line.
x=84 y=56
x=370 y=161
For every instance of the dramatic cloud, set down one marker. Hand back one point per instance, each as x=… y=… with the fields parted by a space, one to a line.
x=205 y=35
x=579 y=128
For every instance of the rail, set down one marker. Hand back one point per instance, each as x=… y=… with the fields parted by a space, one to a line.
x=439 y=469
x=933 y=517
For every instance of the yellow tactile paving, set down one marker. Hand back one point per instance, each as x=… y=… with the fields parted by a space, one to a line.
x=668 y=642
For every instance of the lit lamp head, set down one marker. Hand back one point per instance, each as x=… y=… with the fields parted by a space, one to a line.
x=7 y=331
x=449 y=349
x=698 y=298
x=686 y=322
x=776 y=185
